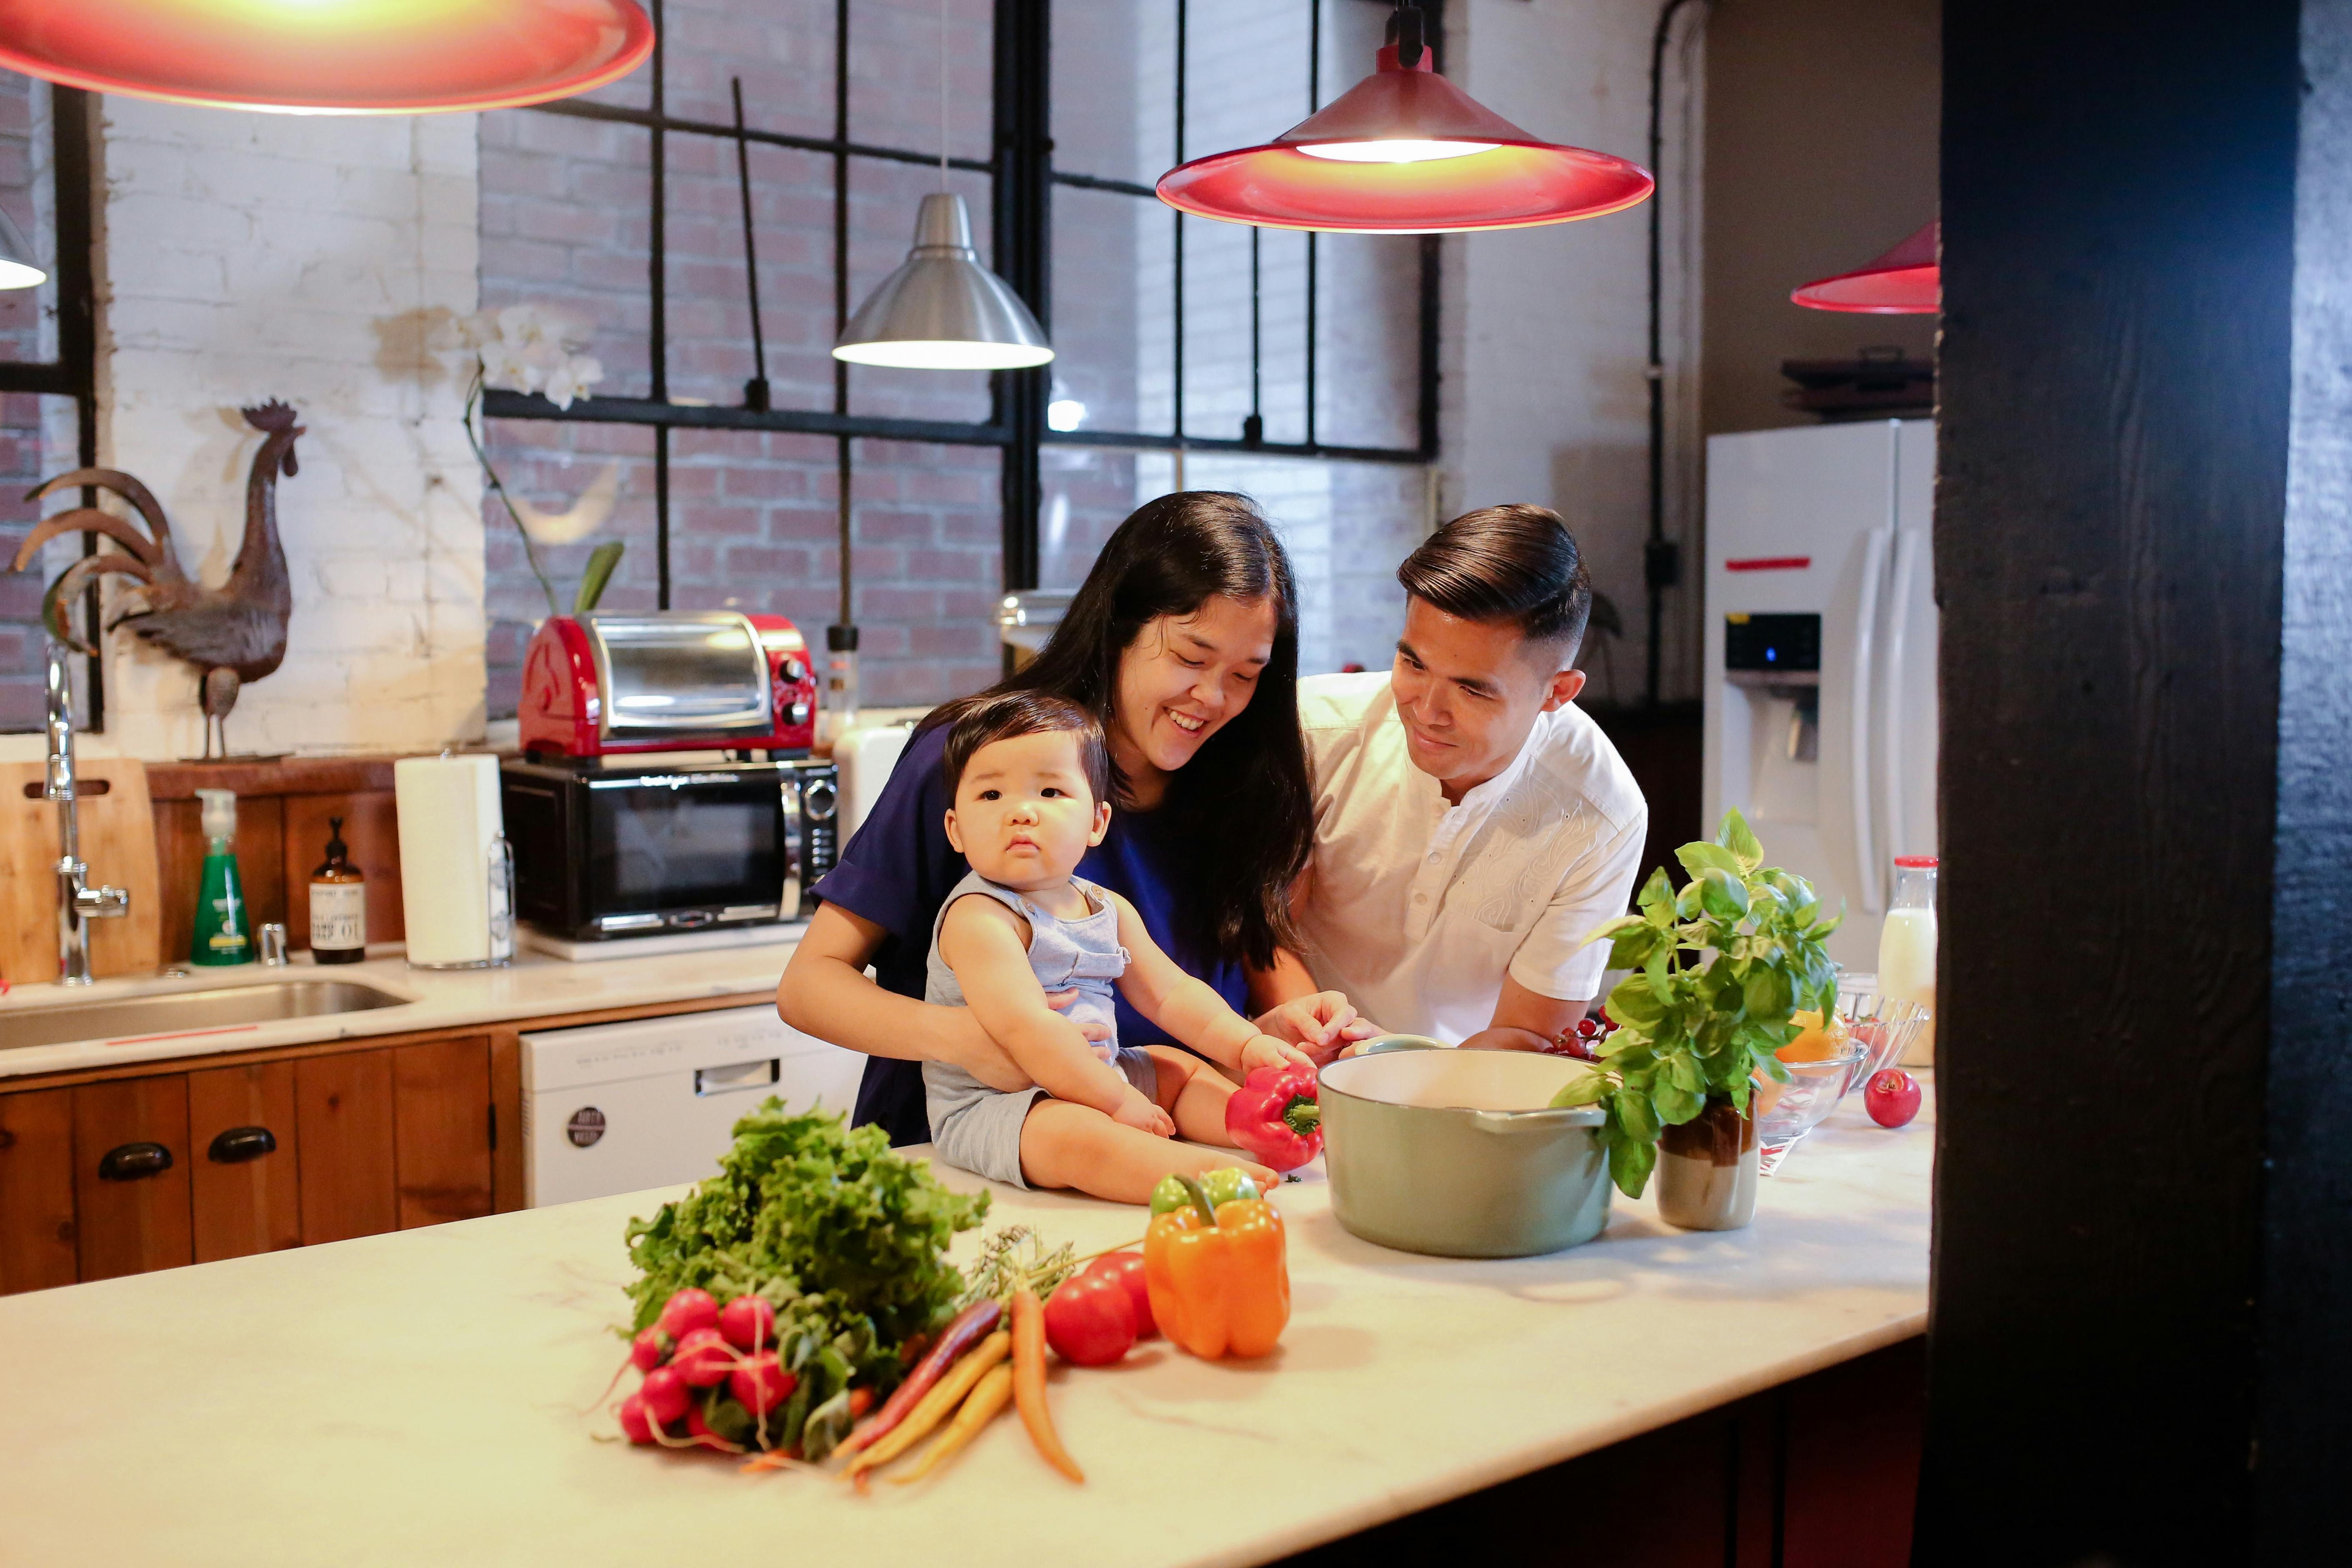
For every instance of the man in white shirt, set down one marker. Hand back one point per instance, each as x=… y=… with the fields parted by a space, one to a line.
x=1472 y=824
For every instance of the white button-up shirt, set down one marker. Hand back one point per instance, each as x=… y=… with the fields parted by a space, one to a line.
x=1418 y=909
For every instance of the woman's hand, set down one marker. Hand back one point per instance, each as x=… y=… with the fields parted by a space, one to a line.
x=825 y=991
x=1322 y=1024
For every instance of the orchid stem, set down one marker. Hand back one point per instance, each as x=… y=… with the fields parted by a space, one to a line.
x=497 y=486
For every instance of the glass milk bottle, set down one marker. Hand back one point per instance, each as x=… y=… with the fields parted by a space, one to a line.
x=1906 y=948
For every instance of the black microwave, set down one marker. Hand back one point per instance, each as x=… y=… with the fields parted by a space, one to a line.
x=624 y=849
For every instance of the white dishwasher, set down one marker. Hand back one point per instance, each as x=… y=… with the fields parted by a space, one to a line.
x=617 y=1107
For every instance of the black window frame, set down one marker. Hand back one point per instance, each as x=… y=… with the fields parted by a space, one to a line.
x=74 y=373
x=1022 y=178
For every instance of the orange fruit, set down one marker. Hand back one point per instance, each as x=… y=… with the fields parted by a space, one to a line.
x=1820 y=1042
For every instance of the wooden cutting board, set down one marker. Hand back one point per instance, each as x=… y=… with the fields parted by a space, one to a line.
x=118 y=841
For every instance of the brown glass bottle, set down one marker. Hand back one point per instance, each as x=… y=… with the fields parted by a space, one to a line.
x=338 y=904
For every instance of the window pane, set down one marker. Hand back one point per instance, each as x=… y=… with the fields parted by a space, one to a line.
x=553 y=468
x=1114 y=104
x=1346 y=526
x=28 y=317
x=36 y=439
x=710 y=319
x=567 y=220
x=894 y=75
x=782 y=48
x=1101 y=277
x=1367 y=340
x=883 y=199
x=929 y=557
x=754 y=525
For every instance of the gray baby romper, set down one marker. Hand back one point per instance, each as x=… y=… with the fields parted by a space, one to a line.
x=976 y=1128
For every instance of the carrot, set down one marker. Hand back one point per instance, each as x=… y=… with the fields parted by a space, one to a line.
x=1029 y=1382
x=957 y=1337
x=944 y=1396
x=987 y=1402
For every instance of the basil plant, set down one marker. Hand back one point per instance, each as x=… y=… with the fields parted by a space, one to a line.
x=1720 y=969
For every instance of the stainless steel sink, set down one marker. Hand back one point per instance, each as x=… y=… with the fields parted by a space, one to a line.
x=187 y=1012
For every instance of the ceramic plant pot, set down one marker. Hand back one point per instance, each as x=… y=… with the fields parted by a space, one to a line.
x=1456 y=1153
x=1708 y=1170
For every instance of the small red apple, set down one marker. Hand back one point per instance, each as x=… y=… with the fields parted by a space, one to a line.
x=1891 y=1097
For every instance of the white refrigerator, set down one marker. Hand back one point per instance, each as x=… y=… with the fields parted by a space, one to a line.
x=1821 y=656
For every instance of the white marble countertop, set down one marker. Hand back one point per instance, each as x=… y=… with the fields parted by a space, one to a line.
x=535 y=986
x=417 y=1397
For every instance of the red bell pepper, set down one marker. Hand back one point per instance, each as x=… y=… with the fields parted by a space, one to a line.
x=1275 y=1118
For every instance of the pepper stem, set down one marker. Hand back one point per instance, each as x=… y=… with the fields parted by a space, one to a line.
x=1303 y=1116
x=1200 y=1196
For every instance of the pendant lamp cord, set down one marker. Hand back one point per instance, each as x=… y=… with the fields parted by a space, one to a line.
x=943 y=94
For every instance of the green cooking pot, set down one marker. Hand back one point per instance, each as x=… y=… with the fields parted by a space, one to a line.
x=1456 y=1153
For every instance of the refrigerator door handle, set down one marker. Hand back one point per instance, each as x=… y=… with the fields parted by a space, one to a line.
x=1891 y=728
x=1869 y=875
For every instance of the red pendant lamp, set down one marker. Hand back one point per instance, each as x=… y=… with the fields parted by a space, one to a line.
x=329 y=56
x=1905 y=281
x=1404 y=152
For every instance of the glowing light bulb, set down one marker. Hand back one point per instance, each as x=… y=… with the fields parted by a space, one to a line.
x=1397 y=149
x=1064 y=414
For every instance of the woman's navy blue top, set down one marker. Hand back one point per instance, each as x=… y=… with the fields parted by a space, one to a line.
x=896 y=871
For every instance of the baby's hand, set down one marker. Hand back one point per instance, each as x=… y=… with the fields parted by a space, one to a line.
x=1137 y=1112
x=1265 y=1051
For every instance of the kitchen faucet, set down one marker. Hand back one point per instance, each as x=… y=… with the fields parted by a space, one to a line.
x=77 y=902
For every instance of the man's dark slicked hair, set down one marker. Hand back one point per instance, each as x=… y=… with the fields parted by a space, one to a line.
x=1016 y=713
x=1516 y=563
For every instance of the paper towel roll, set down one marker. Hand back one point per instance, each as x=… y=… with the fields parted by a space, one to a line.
x=448 y=808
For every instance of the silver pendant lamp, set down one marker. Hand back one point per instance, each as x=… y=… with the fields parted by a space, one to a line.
x=942 y=310
x=18 y=269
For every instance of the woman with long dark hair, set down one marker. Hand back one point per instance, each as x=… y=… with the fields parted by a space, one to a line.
x=1183 y=643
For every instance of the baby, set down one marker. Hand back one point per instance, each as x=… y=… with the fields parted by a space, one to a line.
x=1029 y=775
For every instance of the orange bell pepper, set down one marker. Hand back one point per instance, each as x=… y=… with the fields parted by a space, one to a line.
x=1219 y=1279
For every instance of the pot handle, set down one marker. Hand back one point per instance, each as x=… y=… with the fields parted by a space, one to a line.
x=1537 y=1121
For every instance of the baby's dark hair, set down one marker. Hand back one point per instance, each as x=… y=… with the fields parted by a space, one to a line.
x=1016 y=713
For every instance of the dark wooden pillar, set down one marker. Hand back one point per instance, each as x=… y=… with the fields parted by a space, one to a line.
x=2138 y=1352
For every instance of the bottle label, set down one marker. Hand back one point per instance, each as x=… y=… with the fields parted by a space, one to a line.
x=338 y=915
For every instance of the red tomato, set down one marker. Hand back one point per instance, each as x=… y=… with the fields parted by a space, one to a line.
x=1090 y=1320
x=1127 y=1268
x=1891 y=1097
x=703 y=1358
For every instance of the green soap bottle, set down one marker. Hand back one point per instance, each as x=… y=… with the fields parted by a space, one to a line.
x=223 y=933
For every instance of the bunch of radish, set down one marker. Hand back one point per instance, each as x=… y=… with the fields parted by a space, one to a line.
x=695 y=1355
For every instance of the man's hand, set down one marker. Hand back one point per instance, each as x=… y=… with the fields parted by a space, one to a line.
x=1266 y=1051
x=1322 y=1024
x=1137 y=1112
x=1525 y=1020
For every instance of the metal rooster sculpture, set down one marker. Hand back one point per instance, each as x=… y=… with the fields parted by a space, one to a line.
x=232 y=634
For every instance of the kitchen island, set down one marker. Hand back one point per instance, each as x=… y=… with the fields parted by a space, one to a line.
x=418 y=1397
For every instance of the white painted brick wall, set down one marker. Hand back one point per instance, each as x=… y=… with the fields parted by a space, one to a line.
x=318 y=259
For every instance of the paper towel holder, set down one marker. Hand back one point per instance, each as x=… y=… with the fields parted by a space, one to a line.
x=497 y=879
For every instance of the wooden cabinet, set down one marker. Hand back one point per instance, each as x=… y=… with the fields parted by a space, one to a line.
x=343 y=1116
x=36 y=1190
x=441 y=1113
x=118 y=1169
x=131 y=1175
x=245 y=1171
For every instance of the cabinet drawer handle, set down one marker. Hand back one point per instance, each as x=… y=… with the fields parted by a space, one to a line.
x=238 y=1145
x=132 y=1161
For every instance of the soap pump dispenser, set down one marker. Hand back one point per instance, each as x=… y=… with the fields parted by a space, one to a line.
x=222 y=934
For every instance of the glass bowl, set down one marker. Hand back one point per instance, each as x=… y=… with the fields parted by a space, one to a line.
x=1786 y=1112
x=1881 y=1026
